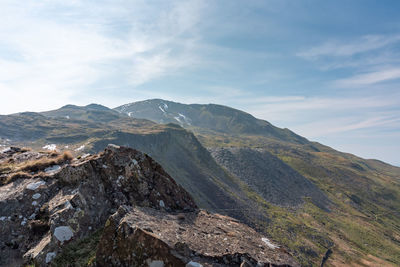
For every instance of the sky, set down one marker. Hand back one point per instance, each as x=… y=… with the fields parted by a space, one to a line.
x=328 y=70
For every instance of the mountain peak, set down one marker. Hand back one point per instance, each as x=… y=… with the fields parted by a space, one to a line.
x=96 y=107
x=209 y=117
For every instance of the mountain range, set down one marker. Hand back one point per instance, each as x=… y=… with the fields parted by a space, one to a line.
x=308 y=197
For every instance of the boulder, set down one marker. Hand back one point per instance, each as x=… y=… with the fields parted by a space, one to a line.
x=144 y=236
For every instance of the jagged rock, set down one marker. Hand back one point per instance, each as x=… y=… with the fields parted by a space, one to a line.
x=149 y=237
x=40 y=214
x=149 y=219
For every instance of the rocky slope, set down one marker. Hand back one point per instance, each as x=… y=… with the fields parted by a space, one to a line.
x=46 y=207
x=270 y=177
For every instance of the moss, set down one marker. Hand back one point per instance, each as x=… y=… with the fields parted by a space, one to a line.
x=79 y=253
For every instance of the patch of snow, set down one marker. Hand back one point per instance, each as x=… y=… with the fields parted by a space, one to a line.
x=52 y=169
x=50 y=256
x=63 y=233
x=104 y=166
x=85 y=156
x=35 y=185
x=67 y=117
x=193 y=264
x=130 y=114
x=36 y=196
x=178 y=119
x=34 y=203
x=269 y=244
x=23 y=222
x=161 y=109
x=162 y=205
x=3 y=218
x=182 y=119
x=6 y=150
x=33 y=215
x=50 y=147
x=82 y=147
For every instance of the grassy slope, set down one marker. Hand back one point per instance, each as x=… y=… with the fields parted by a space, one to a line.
x=364 y=223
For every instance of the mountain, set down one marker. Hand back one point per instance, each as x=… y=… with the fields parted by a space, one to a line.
x=178 y=150
x=308 y=197
x=212 y=117
x=93 y=113
x=363 y=219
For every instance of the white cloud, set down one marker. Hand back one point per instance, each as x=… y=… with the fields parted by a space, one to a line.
x=370 y=78
x=342 y=49
x=332 y=126
x=51 y=51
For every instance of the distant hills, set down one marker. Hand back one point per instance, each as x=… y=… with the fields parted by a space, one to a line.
x=305 y=195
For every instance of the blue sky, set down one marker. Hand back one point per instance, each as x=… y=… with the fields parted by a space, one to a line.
x=329 y=70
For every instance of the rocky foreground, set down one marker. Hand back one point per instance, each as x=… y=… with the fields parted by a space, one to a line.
x=49 y=201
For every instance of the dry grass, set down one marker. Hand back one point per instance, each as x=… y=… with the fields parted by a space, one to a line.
x=14 y=176
x=43 y=163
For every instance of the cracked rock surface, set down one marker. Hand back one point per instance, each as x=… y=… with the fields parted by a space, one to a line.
x=145 y=236
x=42 y=212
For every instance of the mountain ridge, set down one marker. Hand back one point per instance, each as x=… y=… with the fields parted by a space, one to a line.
x=211 y=116
x=364 y=195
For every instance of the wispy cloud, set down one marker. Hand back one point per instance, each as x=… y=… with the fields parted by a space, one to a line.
x=346 y=124
x=342 y=49
x=370 y=78
x=59 y=49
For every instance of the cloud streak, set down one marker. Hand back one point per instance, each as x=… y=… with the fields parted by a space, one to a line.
x=342 y=49
x=370 y=78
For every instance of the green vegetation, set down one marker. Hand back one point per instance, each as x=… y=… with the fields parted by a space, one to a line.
x=363 y=225
x=79 y=253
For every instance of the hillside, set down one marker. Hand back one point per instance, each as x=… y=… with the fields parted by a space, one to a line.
x=362 y=226
x=306 y=196
x=110 y=209
x=175 y=148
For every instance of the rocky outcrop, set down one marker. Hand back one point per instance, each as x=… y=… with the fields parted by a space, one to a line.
x=150 y=237
x=148 y=219
x=42 y=211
